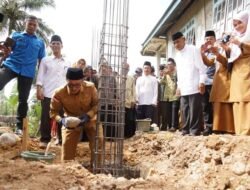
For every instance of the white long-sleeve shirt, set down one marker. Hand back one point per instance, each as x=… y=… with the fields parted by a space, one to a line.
x=52 y=74
x=146 y=90
x=190 y=70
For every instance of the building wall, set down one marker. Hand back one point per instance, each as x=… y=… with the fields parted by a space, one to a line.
x=208 y=14
x=202 y=12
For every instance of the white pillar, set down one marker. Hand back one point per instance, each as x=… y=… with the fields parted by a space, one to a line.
x=158 y=62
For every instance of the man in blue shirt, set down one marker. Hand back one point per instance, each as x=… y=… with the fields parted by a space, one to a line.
x=21 y=62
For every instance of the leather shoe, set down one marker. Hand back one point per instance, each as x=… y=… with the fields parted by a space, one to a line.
x=58 y=142
x=19 y=132
x=193 y=134
x=184 y=133
x=172 y=129
x=207 y=132
x=43 y=145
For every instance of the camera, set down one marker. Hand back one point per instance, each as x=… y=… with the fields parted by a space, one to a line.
x=9 y=42
x=225 y=39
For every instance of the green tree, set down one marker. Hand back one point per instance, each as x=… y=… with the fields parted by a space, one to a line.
x=8 y=104
x=34 y=115
x=2 y=102
x=13 y=99
x=15 y=12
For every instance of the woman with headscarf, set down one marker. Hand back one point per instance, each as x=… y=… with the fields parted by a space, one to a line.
x=222 y=118
x=240 y=73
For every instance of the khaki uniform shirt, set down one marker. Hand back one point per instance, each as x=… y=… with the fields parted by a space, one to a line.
x=85 y=101
x=170 y=82
x=240 y=77
x=130 y=92
x=221 y=83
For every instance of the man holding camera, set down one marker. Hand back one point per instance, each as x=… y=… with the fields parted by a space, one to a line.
x=207 y=107
x=213 y=54
x=79 y=100
x=21 y=63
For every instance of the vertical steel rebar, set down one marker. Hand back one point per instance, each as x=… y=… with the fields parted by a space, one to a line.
x=111 y=87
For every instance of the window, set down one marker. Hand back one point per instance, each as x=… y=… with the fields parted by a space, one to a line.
x=247 y=4
x=189 y=32
x=223 y=11
x=219 y=10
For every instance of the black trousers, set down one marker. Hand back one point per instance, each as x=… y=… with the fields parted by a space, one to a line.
x=191 y=109
x=107 y=117
x=207 y=108
x=175 y=107
x=170 y=114
x=130 y=126
x=45 y=124
x=145 y=111
x=163 y=115
x=23 y=88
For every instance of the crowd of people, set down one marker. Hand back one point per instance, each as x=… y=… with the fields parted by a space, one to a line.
x=202 y=89
x=199 y=91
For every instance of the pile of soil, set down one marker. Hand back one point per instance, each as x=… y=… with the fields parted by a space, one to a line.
x=166 y=161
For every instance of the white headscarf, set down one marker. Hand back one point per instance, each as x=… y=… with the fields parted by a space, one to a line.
x=244 y=18
x=243 y=37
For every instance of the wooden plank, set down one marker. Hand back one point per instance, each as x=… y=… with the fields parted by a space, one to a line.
x=25 y=137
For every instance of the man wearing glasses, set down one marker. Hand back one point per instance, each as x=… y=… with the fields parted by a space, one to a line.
x=54 y=68
x=79 y=100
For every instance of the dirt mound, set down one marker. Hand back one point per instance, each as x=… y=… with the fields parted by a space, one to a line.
x=166 y=161
x=186 y=162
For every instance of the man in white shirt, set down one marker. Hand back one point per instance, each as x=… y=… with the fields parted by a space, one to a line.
x=146 y=93
x=51 y=75
x=191 y=74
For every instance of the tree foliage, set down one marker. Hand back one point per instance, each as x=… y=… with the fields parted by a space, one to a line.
x=16 y=11
x=8 y=104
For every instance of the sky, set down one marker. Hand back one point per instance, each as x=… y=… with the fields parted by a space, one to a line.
x=76 y=21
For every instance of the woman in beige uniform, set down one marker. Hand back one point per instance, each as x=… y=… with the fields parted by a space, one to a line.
x=240 y=77
x=219 y=96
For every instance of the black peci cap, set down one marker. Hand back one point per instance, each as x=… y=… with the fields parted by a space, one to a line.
x=74 y=73
x=147 y=63
x=161 y=67
x=177 y=35
x=210 y=33
x=56 y=38
x=138 y=70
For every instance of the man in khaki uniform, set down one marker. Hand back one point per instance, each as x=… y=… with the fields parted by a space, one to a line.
x=129 y=129
x=78 y=99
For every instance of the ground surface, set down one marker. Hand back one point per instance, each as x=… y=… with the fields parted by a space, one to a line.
x=166 y=160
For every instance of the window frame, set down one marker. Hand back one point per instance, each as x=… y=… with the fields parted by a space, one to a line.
x=231 y=7
x=189 y=31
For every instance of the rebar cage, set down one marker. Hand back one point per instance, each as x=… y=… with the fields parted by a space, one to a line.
x=108 y=156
